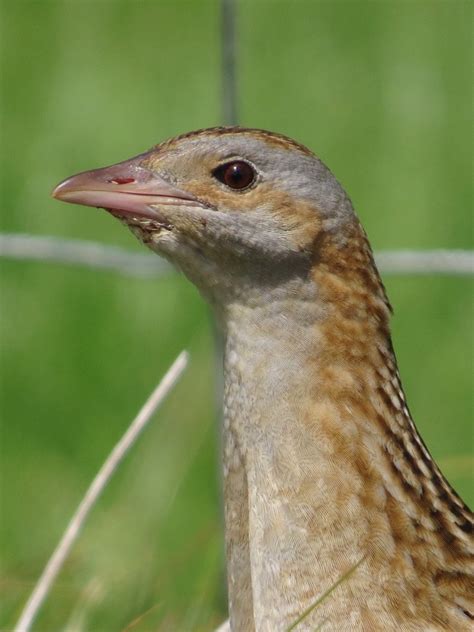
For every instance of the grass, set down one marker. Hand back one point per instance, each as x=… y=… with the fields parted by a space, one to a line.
x=94 y=492
x=326 y=594
x=380 y=90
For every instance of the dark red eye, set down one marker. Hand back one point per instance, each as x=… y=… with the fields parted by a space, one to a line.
x=236 y=175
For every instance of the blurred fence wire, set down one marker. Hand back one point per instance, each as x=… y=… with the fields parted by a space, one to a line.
x=229 y=72
x=80 y=253
x=99 y=256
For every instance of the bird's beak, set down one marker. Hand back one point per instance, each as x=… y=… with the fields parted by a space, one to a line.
x=125 y=189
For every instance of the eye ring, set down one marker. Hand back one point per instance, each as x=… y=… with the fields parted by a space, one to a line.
x=236 y=174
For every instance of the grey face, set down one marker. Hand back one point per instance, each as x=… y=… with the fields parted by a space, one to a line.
x=222 y=204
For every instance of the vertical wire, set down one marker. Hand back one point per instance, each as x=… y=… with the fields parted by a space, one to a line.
x=228 y=62
x=229 y=117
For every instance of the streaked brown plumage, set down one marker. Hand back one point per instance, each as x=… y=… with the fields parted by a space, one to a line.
x=323 y=465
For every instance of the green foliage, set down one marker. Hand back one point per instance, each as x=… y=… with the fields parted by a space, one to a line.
x=380 y=90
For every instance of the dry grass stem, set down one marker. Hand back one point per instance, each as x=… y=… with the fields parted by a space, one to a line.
x=99 y=483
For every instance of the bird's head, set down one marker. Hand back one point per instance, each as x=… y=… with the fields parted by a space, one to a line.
x=225 y=205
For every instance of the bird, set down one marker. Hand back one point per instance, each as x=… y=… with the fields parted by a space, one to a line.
x=325 y=475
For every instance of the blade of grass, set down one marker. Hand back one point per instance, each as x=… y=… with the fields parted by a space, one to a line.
x=97 y=486
x=137 y=620
x=325 y=595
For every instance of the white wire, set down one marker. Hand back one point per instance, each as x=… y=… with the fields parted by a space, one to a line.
x=457 y=262
x=99 y=256
x=82 y=253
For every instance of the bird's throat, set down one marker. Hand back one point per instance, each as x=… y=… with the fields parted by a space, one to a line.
x=294 y=514
x=322 y=463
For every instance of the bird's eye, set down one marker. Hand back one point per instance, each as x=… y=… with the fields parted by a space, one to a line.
x=236 y=175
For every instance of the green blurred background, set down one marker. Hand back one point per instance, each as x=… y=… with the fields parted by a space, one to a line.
x=379 y=90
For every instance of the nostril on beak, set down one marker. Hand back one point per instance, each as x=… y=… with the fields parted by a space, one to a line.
x=121 y=180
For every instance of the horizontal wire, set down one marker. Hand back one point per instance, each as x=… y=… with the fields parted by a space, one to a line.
x=100 y=256
x=456 y=262
x=81 y=253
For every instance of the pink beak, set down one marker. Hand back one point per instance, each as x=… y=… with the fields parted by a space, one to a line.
x=126 y=187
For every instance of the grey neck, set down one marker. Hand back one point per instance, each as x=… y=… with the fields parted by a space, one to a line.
x=278 y=471
x=269 y=340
